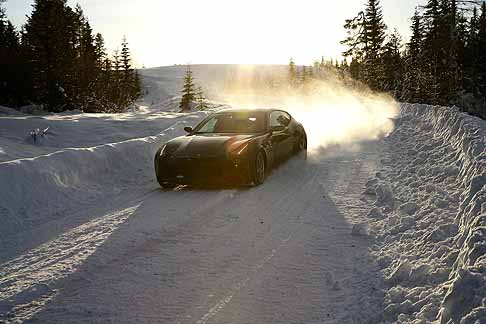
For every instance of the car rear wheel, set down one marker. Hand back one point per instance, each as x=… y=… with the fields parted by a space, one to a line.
x=301 y=147
x=259 y=170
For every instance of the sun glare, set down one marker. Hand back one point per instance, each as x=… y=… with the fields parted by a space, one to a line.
x=218 y=32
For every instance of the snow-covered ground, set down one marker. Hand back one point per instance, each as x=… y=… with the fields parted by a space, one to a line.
x=384 y=229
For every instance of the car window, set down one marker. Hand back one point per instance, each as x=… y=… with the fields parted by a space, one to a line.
x=279 y=118
x=233 y=122
x=208 y=127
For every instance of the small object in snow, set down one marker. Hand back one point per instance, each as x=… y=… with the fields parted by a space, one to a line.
x=409 y=208
x=384 y=195
x=33 y=133
x=334 y=284
x=359 y=229
x=376 y=213
x=370 y=186
x=400 y=274
x=36 y=132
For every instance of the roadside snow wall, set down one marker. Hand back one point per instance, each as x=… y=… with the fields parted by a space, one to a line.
x=465 y=300
x=35 y=191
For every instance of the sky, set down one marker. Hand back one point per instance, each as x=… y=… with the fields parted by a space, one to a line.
x=167 y=32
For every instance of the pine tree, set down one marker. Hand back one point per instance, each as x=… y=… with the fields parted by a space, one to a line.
x=355 y=68
x=416 y=77
x=87 y=65
x=374 y=34
x=136 y=86
x=431 y=49
x=188 y=91
x=304 y=75
x=105 y=87
x=202 y=103
x=416 y=40
x=392 y=63
x=375 y=29
x=129 y=93
x=356 y=40
x=56 y=61
x=116 y=81
x=344 y=66
x=116 y=60
x=292 y=73
x=481 y=59
x=126 y=59
x=12 y=81
x=366 y=34
x=316 y=68
x=471 y=48
x=2 y=15
x=100 y=50
x=50 y=35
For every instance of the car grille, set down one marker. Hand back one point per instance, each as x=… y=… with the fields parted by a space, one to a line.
x=197 y=167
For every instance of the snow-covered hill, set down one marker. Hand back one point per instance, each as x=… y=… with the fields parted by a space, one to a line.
x=388 y=228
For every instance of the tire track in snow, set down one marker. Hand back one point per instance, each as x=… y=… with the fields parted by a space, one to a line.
x=220 y=305
x=348 y=191
x=215 y=308
x=30 y=280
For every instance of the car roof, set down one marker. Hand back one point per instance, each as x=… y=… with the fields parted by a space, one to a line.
x=242 y=110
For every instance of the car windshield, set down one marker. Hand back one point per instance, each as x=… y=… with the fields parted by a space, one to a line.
x=233 y=122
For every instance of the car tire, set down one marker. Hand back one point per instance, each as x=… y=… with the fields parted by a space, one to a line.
x=300 y=149
x=259 y=170
x=162 y=183
x=166 y=185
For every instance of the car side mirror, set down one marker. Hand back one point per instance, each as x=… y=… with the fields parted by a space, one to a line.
x=278 y=128
x=188 y=129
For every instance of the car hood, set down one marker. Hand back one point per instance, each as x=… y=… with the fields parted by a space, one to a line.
x=204 y=145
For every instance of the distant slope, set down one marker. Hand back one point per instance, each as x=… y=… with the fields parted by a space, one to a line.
x=163 y=83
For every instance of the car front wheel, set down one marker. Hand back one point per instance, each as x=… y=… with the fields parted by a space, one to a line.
x=161 y=182
x=259 y=170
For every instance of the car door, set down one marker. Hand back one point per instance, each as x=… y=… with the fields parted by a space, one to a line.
x=281 y=136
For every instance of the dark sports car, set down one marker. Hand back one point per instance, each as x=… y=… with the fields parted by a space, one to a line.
x=234 y=146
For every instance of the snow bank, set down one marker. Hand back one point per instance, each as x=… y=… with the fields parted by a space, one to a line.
x=430 y=217
x=466 y=296
x=40 y=189
x=9 y=111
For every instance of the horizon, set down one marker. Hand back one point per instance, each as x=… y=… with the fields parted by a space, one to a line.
x=305 y=40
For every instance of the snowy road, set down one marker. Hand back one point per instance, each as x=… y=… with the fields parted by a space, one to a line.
x=279 y=253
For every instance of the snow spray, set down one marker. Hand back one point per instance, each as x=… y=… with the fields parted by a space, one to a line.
x=334 y=110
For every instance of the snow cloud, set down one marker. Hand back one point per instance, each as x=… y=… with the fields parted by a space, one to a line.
x=333 y=111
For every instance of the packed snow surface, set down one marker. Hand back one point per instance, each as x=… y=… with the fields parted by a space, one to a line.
x=389 y=229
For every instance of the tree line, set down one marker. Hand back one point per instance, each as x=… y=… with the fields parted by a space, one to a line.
x=443 y=63
x=57 y=61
